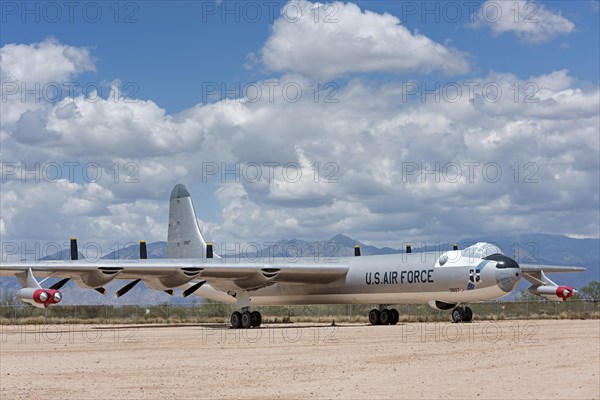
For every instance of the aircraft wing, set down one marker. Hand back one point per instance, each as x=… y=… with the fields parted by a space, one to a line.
x=530 y=268
x=534 y=273
x=544 y=286
x=178 y=272
x=236 y=277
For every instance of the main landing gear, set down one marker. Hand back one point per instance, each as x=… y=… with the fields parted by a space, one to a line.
x=246 y=319
x=462 y=314
x=384 y=316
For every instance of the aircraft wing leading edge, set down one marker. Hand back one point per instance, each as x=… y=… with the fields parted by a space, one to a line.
x=236 y=276
x=526 y=268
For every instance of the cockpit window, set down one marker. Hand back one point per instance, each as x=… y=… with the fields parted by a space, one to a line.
x=481 y=250
x=443 y=259
x=503 y=261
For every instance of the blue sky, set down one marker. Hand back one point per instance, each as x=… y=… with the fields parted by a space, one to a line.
x=169 y=49
x=373 y=52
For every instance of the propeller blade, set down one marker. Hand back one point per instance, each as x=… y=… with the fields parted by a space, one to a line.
x=74 y=252
x=127 y=287
x=143 y=250
x=193 y=288
x=356 y=251
x=60 y=284
x=169 y=291
x=209 y=250
x=100 y=290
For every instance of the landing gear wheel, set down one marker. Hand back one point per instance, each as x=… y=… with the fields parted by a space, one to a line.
x=385 y=316
x=395 y=316
x=458 y=314
x=236 y=320
x=246 y=320
x=468 y=316
x=256 y=318
x=374 y=317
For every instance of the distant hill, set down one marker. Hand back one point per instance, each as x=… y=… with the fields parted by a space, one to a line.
x=531 y=249
x=154 y=250
x=337 y=246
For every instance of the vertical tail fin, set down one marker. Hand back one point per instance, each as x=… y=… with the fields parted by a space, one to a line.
x=184 y=239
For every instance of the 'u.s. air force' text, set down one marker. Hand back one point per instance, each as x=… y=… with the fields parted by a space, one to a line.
x=391 y=277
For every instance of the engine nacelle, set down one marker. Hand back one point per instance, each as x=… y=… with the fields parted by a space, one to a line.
x=40 y=298
x=440 y=305
x=553 y=292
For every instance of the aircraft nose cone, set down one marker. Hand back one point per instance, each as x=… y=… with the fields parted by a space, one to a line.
x=508 y=272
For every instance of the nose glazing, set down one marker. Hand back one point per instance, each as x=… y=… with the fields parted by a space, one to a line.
x=502 y=261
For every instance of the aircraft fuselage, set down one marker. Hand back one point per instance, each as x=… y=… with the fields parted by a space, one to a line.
x=393 y=279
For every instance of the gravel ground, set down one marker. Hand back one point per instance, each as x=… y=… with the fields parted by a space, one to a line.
x=506 y=359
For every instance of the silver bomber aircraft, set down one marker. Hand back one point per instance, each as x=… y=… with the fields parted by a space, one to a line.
x=444 y=281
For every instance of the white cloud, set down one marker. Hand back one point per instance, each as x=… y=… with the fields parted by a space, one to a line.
x=371 y=136
x=31 y=73
x=325 y=41
x=529 y=20
x=43 y=62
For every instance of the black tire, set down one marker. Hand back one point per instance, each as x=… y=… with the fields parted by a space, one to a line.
x=236 y=320
x=458 y=314
x=385 y=316
x=256 y=318
x=374 y=317
x=468 y=316
x=395 y=316
x=246 y=320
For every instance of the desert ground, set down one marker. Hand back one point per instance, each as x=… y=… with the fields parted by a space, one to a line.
x=504 y=359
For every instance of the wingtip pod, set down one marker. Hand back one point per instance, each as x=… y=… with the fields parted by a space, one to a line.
x=564 y=292
x=40 y=298
x=554 y=292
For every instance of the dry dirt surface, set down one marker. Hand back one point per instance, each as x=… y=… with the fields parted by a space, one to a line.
x=508 y=360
